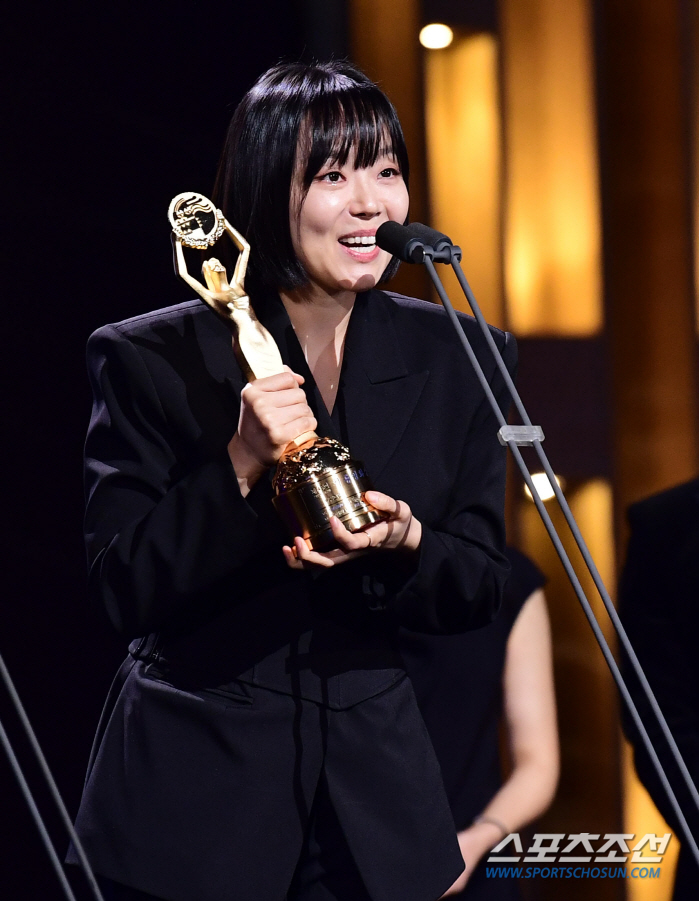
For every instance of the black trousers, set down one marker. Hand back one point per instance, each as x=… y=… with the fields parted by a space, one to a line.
x=326 y=870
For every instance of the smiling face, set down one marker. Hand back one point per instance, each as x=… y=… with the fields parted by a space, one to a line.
x=333 y=228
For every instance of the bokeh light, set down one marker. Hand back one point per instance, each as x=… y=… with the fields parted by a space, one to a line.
x=436 y=36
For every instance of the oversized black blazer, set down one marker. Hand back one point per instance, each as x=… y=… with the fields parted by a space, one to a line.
x=193 y=573
x=174 y=548
x=659 y=606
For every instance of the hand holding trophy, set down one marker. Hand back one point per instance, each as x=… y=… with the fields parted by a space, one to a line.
x=316 y=478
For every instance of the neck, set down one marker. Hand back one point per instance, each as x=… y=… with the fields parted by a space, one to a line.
x=320 y=325
x=315 y=311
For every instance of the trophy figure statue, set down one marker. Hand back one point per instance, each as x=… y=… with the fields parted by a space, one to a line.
x=316 y=478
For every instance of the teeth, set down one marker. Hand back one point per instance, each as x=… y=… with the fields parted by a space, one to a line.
x=365 y=239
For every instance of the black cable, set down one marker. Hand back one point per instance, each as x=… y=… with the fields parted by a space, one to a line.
x=53 y=788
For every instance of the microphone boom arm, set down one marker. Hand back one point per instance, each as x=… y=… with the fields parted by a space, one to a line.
x=418 y=243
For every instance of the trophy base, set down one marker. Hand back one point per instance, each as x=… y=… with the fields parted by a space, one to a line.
x=338 y=491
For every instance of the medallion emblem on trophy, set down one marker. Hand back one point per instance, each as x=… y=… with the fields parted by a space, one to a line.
x=316 y=478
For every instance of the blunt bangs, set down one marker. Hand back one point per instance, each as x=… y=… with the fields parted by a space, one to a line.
x=321 y=112
x=358 y=119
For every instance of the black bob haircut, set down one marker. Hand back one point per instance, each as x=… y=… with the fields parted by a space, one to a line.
x=331 y=107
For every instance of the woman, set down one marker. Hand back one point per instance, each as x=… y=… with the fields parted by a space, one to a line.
x=510 y=662
x=261 y=740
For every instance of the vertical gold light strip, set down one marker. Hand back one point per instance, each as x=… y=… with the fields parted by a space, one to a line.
x=589 y=792
x=385 y=45
x=552 y=208
x=463 y=162
x=641 y=817
x=589 y=796
x=694 y=22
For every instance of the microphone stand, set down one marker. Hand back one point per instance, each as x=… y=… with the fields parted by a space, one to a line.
x=53 y=789
x=419 y=244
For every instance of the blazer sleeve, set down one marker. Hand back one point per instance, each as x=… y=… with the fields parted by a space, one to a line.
x=157 y=539
x=462 y=568
x=457 y=581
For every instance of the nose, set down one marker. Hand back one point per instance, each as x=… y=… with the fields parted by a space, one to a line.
x=365 y=202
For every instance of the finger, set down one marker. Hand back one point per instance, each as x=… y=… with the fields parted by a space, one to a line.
x=297 y=557
x=309 y=557
x=272 y=415
x=383 y=502
x=303 y=424
x=288 y=397
x=349 y=541
x=283 y=434
x=299 y=378
x=289 y=556
x=277 y=382
x=326 y=559
x=378 y=534
x=287 y=413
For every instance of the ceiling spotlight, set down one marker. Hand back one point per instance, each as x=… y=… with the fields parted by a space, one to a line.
x=436 y=36
x=543 y=487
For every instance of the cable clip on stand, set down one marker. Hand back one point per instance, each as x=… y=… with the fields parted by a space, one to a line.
x=418 y=243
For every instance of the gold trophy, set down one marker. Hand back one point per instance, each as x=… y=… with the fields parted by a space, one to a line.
x=316 y=478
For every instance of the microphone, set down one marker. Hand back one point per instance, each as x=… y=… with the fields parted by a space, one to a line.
x=418 y=243
x=408 y=242
x=430 y=236
x=398 y=240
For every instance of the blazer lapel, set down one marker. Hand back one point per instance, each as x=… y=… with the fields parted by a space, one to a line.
x=270 y=310
x=380 y=392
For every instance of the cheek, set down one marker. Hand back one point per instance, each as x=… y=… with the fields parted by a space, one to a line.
x=295 y=234
x=400 y=205
x=305 y=232
x=318 y=214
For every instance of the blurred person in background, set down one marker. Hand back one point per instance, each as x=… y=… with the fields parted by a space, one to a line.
x=659 y=607
x=466 y=686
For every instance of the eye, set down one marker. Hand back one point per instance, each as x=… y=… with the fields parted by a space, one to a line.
x=333 y=177
x=389 y=172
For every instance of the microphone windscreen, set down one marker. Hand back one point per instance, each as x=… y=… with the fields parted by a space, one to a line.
x=427 y=235
x=395 y=238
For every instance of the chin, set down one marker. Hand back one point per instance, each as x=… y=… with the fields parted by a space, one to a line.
x=364 y=282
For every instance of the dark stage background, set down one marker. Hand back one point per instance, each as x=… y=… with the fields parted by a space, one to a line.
x=113 y=109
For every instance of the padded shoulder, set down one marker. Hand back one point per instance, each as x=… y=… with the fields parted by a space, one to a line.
x=664 y=510
x=434 y=311
x=145 y=322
